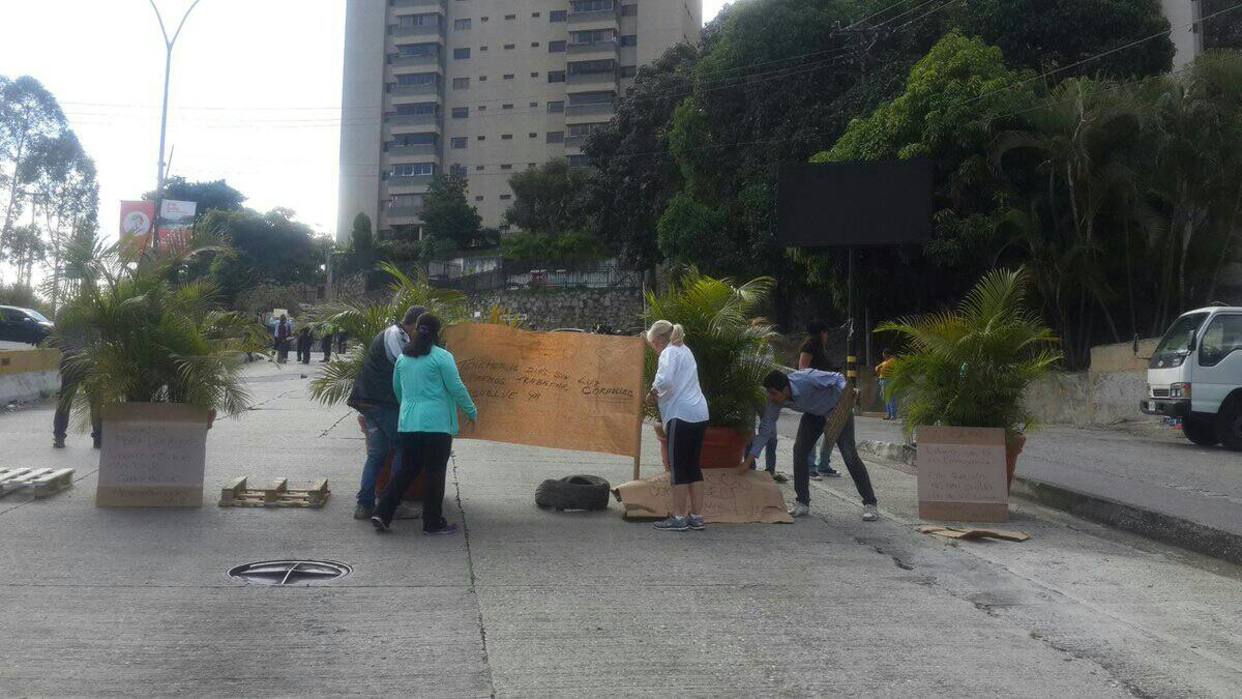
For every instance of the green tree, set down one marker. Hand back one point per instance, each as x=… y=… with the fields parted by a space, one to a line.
x=634 y=176
x=1053 y=34
x=211 y=195
x=266 y=248
x=447 y=215
x=549 y=199
x=1224 y=31
x=361 y=239
x=29 y=117
x=61 y=183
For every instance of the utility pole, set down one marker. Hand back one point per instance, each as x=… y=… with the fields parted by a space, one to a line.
x=169 y=43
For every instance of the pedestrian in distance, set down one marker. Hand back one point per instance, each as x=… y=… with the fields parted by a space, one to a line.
x=326 y=345
x=71 y=377
x=378 y=407
x=683 y=412
x=814 y=355
x=305 y=342
x=342 y=342
x=428 y=385
x=815 y=394
x=881 y=374
x=281 y=335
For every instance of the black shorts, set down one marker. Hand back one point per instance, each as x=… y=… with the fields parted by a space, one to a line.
x=685 y=444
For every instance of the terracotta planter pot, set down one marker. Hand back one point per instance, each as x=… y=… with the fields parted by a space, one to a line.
x=722 y=448
x=414 y=492
x=1013 y=448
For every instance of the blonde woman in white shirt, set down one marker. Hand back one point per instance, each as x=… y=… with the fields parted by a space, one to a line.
x=683 y=411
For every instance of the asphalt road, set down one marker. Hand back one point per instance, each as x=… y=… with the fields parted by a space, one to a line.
x=1144 y=464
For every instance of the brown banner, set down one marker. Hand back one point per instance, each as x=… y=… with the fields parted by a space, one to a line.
x=561 y=390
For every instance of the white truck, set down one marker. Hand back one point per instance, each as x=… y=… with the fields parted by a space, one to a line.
x=1196 y=375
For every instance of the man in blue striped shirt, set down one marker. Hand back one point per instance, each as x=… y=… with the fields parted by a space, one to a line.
x=814 y=393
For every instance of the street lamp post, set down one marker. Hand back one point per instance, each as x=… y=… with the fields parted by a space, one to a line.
x=168 y=46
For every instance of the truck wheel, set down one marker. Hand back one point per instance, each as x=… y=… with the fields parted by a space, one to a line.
x=1229 y=424
x=1201 y=432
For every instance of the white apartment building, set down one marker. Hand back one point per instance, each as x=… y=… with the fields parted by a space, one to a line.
x=484 y=88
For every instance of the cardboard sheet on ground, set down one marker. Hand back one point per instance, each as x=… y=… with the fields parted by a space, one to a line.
x=561 y=390
x=729 y=498
x=973 y=534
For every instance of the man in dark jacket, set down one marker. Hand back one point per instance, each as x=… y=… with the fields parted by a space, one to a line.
x=374 y=399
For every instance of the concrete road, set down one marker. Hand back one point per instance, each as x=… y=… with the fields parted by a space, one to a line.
x=1145 y=464
x=531 y=603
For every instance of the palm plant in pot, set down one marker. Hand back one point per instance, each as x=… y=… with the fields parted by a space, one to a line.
x=731 y=348
x=155 y=354
x=970 y=367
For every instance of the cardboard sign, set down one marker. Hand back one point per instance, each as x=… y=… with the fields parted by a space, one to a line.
x=560 y=390
x=154 y=455
x=961 y=472
x=728 y=498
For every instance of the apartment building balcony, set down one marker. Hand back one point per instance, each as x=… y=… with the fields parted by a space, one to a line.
x=594 y=49
x=428 y=4
x=586 y=82
x=413 y=90
x=422 y=149
x=594 y=19
x=575 y=141
x=407 y=182
x=421 y=30
x=595 y=110
x=412 y=123
x=399 y=61
x=401 y=215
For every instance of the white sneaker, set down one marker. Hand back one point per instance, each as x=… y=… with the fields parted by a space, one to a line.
x=870 y=514
x=799 y=510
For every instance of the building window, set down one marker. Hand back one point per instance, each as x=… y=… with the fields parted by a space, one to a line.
x=418 y=50
x=629 y=10
x=419 y=109
x=506 y=137
x=557 y=16
x=605 y=65
x=412 y=139
x=629 y=71
x=534 y=135
x=533 y=105
x=482 y=138
x=461 y=25
x=478 y=197
x=459 y=54
x=579 y=160
x=482 y=49
x=534 y=44
x=592 y=5
x=506 y=197
x=414 y=170
x=412 y=79
x=483 y=19
x=556 y=47
x=593 y=36
x=508 y=76
x=586 y=129
x=482 y=78
x=506 y=106
x=461 y=112
x=556 y=137
x=478 y=168
x=461 y=83
x=482 y=107
x=424 y=20
x=556 y=107
x=460 y=142
x=579 y=98
x=510 y=17
x=556 y=76
x=510 y=47
x=535 y=15
x=629 y=40
x=534 y=74
x=405 y=201
x=457 y=170
x=507 y=166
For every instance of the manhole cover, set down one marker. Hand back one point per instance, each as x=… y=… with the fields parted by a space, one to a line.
x=290 y=572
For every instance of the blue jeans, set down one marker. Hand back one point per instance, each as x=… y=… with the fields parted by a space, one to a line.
x=769 y=454
x=381 y=439
x=890 y=406
x=825 y=457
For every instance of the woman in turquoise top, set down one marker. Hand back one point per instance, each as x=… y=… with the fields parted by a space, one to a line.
x=430 y=390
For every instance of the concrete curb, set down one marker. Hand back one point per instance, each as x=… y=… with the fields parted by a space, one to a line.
x=1157 y=526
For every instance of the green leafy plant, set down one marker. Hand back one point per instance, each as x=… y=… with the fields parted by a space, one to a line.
x=969 y=367
x=729 y=344
x=364 y=321
x=134 y=332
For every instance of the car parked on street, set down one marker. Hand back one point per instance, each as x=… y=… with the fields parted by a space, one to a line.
x=1196 y=375
x=24 y=325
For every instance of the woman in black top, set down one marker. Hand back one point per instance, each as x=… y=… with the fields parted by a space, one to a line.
x=814 y=355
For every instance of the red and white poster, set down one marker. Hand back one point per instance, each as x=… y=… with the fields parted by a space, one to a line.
x=136 y=217
x=176 y=221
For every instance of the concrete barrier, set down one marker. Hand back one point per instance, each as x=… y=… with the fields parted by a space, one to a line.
x=28 y=375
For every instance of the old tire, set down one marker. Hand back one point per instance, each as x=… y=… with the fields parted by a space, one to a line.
x=1229 y=424
x=573 y=493
x=1201 y=432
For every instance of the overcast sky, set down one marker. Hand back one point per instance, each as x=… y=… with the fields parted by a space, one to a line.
x=255 y=92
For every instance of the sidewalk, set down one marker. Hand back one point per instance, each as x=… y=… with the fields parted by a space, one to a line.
x=532 y=603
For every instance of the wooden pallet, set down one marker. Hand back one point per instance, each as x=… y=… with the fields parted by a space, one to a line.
x=42 y=482
x=278 y=494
